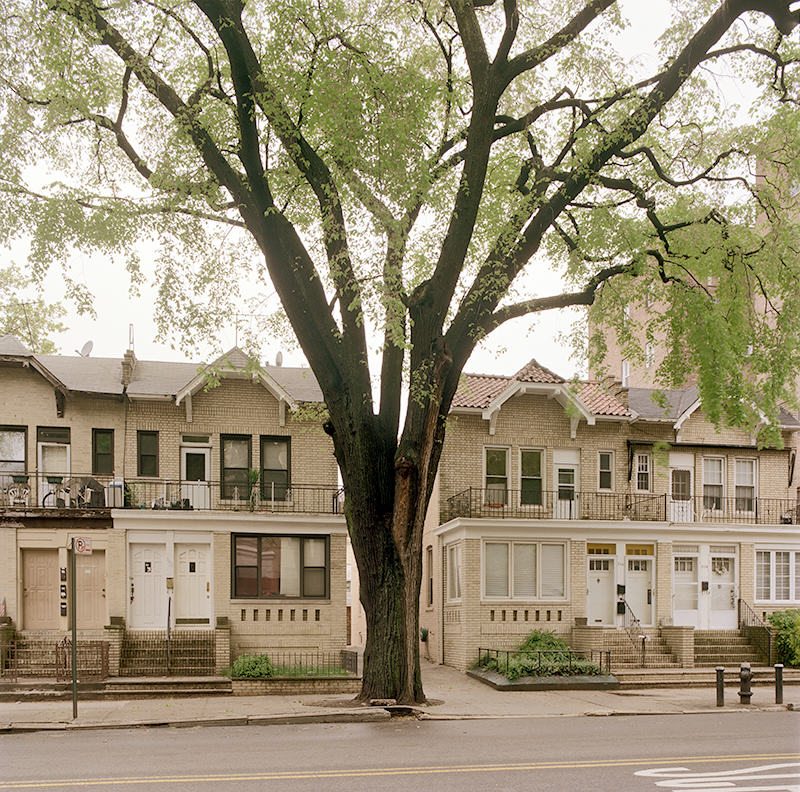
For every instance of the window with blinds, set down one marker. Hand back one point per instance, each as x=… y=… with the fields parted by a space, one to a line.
x=523 y=570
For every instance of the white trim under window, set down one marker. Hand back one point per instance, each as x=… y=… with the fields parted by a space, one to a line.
x=643 y=473
x=495 y=475
x=521 y=570
x=454 y=573
x=713 y=483
x=777 y=576
x=605 y=471
x=745 y=485
x=531 y=476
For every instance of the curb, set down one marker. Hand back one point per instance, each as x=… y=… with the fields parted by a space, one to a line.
x=377 y=715
x=365 y=716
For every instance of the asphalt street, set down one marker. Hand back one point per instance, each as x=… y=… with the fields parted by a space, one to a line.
x=715 y=751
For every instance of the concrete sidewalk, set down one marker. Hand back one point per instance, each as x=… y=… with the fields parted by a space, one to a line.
x=452 y=695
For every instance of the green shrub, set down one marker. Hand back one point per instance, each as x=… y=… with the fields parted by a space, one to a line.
x=787 y=623
x=252 y=667
x=541 y=654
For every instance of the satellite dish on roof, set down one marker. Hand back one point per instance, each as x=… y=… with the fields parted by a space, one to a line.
x=86 y=349
x=279 y=359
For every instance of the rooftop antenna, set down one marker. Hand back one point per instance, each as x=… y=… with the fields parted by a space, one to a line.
x=86 y=349
x=130 y=336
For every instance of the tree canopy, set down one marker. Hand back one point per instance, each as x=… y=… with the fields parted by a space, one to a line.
x=400 y=172
x=25 y=314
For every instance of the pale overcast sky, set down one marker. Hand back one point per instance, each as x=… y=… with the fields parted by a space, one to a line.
x=503 y=353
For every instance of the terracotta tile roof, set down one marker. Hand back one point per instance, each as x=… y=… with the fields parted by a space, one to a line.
x=533 y=372
x=600 y=401
x=476 y=391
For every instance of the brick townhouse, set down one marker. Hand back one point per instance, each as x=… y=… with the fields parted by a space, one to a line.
x=209 y=495
x=582 y=510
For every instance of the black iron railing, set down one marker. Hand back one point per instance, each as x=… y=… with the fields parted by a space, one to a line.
x=569 y=505
x=25 y=491
x=755 y=630
x=570 y=661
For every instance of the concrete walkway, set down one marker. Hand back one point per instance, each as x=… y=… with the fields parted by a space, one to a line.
x=452 y=695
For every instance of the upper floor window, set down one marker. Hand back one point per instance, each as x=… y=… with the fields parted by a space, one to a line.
x=713 y=483
x=497 y=476
x=280 y=566
x=147 y=453
x=605 y=470
x=12 y=449
x=275 y=467
x=625 y=375
x=102 y=452
x=745 y=484
x=643 y=481
x=530 y=477
x=235 y=466
x=649 y=355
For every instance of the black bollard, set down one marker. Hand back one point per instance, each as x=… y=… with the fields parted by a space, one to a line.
x=720 y=686
x=779 y=683
x=745 y=675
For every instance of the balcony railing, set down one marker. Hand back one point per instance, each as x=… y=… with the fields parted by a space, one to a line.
x=569 y=505
x=25 y=491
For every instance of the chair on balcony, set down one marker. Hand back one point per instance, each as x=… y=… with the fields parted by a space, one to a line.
x=18 y=494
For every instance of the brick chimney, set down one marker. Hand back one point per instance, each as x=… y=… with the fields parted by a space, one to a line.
x=128 y=365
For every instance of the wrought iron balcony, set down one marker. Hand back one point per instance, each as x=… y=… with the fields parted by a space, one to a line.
x=26 y=491
x=566 y=504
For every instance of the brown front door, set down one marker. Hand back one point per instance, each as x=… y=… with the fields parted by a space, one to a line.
x=40 y=584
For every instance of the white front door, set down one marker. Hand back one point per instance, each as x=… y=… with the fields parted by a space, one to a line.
x=90 y=578
x=685 y=591
x=566 y=505
x=195 y=464
x=600 y=599
x=192 y=584
x=680 y=507
x=722 y=588
x=53 y=470
x=639 y=588
x=148 y=586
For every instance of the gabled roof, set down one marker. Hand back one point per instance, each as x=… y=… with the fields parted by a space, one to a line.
x=153 y=378
x=11 y=345
x=652 y=404
x=290 y=385
x=488 y=392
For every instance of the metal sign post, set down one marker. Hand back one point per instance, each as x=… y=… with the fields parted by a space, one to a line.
x=73 y=588
x=80 y=546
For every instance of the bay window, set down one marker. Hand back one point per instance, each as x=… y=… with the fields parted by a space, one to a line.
x=524 y=570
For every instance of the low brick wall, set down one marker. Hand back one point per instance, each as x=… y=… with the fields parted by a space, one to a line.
x=292 y=686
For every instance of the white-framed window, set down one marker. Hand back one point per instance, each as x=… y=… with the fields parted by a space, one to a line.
x=745 y=485
x=625 y=374
x=524 y=570
x=496 y=475
x=453 y=572
x=605 y=470
x=531 y=482
x=429 y=576
x=778 y=575
x=713 y=483
x=643 y=472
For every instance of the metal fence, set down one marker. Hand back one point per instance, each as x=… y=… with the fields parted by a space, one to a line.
x=503 y=659
x=310 y=664
x=53 y=659
x=176 y=653
x=82 y=491
x=500 y=503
